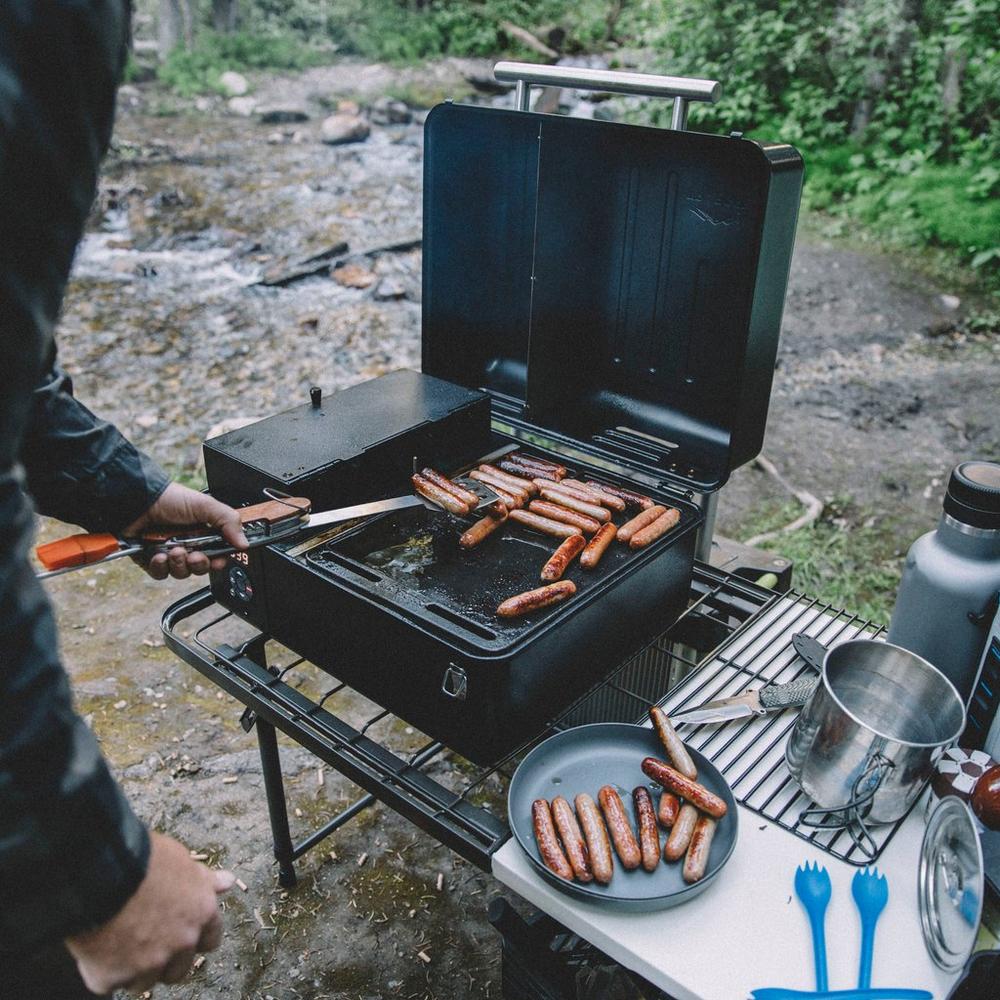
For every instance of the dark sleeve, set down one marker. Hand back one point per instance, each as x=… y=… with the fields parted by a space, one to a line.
x=71 y=850
x=80 y=468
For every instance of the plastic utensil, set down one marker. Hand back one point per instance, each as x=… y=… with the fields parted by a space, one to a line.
x=881 y=993
x=871 y=893
x=812 y=886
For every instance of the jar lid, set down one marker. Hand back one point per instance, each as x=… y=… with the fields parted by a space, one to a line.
x=973 y=495
x=950 y=884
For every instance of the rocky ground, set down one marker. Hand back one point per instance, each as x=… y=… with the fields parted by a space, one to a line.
x=169 y=330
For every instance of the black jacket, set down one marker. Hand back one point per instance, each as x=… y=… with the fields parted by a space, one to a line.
x=71 y=850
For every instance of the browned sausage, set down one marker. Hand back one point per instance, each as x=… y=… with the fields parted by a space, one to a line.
x=513 y=483
x=602 y=497
x=649 y=835
x=556 y=470
x=597 y=546
x=548 y=842
x=515 y=468
x=698 y=850
x=629 y=528
x=560 y=559
x=543 y=524
x=672 y=743
x=570 y=491
x=559 y=513
x=579 y=488
x=632 y=499
x=498 y=484
x=619 y=827
x=481 y=530
x=670 y=806
x=596 y=835
x=680 y=835
x=467 y=496
x=580 y=506
x=649 y=534
x=572 y=839
x=534 y=600
x=439 y=496
x=673 y=781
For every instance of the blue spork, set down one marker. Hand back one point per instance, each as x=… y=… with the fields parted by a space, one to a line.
x=812 y=886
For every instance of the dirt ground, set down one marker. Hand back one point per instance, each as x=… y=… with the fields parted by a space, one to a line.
x=167 y=333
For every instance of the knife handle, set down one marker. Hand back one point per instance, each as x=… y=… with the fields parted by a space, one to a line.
x=797 y=692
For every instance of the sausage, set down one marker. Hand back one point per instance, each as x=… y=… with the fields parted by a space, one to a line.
x=672 y=743
x=630 y=498
x=597 y=546
x=543 y=524
x=670 y=806
x=548 y=842
x=649 y=835
x=570 y=491
x=605 y=499
x=651 y=532
x=680 y=835
x=673 y=781
x=573 y=842
x=439 y=496
x=580 y=506
x=629 y=528
x=619 y=827
x=541 y=463
x=560 y=559
x=513 y=483
x=578 y=487
x=498 y=484
x=596 y=835
x=481 y=530
x=698 y=850
x=534 y=600
x=564 y=514
x=515 y=468
x=467 y=496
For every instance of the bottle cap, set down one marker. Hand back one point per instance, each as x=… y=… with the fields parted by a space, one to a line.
x=973 y=495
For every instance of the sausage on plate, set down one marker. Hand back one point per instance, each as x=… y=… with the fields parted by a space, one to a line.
x=453 y=488
x=672 y=743
x=680 y=835
x=439 y=496
x=543 y=524
x=548 y=843
x=648 y=516
x=670 y=806
x=514 y=483
x=559 y=513
x=535 y=600
x=597 y=546
x=649 y=834
x=619 y=827
x=698 y=850
x=602 y=497
x=596 y=835
x=673 y=781
x=560 y=559
x=481 y=530
x=572 y=839
x=649 y=534
x=595 y=511
x=630 y=498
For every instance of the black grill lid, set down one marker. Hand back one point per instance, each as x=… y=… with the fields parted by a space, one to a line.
x=620 y=287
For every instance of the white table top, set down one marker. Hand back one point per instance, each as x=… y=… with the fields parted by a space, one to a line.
x=748 y=929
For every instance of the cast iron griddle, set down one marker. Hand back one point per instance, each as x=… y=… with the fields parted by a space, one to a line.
x=582 y=760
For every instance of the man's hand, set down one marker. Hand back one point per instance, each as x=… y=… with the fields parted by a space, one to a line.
x=154 y=938
x=178 y=505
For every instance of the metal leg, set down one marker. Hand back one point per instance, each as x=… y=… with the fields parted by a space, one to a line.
x=274 y=787
x=703 y=546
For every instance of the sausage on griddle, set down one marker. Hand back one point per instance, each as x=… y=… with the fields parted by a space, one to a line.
x=572 y=839
x=535 y=600
x=698 y=850
x=649 y=834
x=672 y=743
x=514 y=468
x=519 y=458
x=597 y=546
x=669 y=807
x=548 y=843
x=514 y=483
x=596 y=835
x=630 y=498
x=560 y=559
x=498 y=484
x=543 y=524
x=619 y=827
x=649 y=534
x=680 y=835
x=600 y=496
x=559 y=513
x=439 y=496
x=580 y=506
x=570 y=491
x=648 y=516
x=482 y=529
x=467 y=496
x=673 y=781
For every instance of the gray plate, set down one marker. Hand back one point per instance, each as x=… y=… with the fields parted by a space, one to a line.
x=584 y=759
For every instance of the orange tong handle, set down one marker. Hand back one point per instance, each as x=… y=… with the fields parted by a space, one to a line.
x=77 y=550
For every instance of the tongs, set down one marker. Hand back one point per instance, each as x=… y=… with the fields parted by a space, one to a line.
x=278 y=518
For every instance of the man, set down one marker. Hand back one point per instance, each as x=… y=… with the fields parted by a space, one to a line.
x=78 y=871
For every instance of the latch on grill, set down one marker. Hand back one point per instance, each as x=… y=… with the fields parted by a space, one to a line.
x=455 y=682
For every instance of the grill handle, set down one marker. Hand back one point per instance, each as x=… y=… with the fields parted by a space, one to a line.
x=682 y=89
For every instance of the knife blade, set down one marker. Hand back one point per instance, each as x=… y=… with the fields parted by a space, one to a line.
x=753 y=701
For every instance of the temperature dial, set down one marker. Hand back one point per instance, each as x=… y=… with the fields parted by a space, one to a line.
x=240 y=586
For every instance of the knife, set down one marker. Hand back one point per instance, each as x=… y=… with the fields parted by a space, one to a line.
x=760 y=701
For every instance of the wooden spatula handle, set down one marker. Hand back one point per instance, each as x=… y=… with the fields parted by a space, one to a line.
x=77 y=550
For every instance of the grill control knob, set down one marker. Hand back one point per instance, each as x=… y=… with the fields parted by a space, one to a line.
x=316 y=395
x=240 y=586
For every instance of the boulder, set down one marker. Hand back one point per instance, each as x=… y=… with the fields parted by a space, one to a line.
x=353 y=276
x=390 y=111
x=234 y=84
x=339 y=129
x=348 y=107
